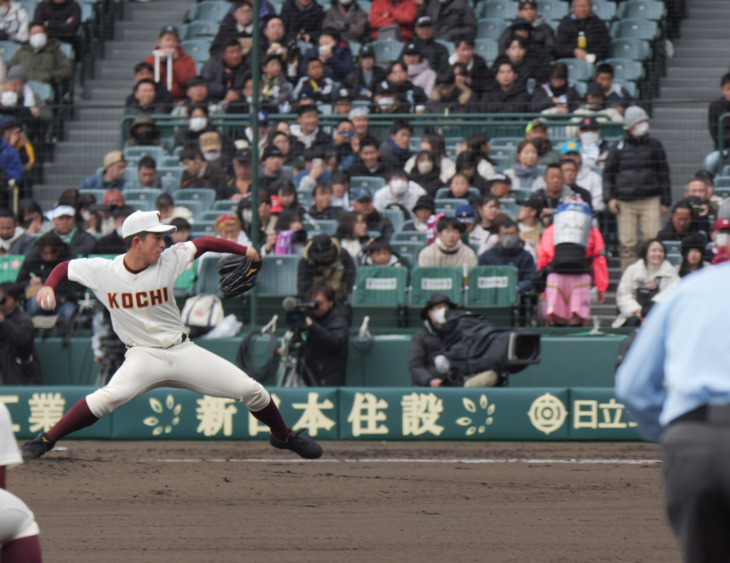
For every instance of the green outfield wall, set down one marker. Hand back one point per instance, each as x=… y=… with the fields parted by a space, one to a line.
x=358 y=413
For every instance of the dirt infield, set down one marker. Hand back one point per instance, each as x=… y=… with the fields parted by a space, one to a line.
x=229 y=502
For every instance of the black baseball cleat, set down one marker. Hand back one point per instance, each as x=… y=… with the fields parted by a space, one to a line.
x=37 y=447
x=298 y=443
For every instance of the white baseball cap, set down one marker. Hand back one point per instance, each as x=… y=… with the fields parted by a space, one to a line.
x=145 y=222
x=60 y=211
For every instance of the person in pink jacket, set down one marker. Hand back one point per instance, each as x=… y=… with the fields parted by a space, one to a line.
x=573 y=250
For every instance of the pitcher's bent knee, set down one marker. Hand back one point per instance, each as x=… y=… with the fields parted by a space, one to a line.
x=257 y=398
x=104 y=401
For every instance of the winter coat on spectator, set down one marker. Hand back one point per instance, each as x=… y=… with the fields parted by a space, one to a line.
x=14 y=24
x=637 y=168
x=19 y=243
x=352 y=22
x=436 y=255
x=514 y=100
x=454 y=19
x=717 y=108
x=384 y=13
x=461 y=101
x=425 y=345
x=10 y=161
x=19 y=363
x=325 y=353
x=542 y=99
x=337 y=67
x=45 y=65
x=640 y=275
x=338 y=274
x=422 y=76
x=183 y=69
x=518 y=257
x=376 y=221
x=482 y=78
x=57 y=16
x=435 y=53
x=542 y=36
x=597 y=37
x=222 y=78
x=355 y=82
x=298 y=18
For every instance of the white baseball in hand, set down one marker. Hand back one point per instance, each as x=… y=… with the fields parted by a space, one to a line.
x=47 y=303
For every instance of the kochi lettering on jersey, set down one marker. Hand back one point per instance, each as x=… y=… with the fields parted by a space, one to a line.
x=140 y=299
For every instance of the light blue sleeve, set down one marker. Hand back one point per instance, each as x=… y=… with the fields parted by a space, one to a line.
x=640 y=379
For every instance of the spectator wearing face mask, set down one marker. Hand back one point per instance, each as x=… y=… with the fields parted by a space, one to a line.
x=143 y=132
x=636 y=184
x=13 y=21
x=198 y=123
x=510 y=251
x=399 y=190
x=41 y=57
x=200 y=173
x=427 y=343
x=426 y=173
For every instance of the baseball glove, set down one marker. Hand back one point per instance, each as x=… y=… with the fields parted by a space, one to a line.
x=237 y=275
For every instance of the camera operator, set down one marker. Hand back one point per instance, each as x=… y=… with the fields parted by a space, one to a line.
x=325 y=350
x=18 y=361
x=426 y=344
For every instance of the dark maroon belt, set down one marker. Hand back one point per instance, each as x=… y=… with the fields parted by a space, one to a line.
x=718 y=415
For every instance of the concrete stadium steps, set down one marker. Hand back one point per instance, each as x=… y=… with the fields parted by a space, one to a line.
x=692 y=81
x=99 y=107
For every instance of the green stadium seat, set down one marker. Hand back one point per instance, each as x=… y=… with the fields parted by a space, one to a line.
x=497 y=9
x=8 y=49
x=630 y=48
x=435 y=279
x=43 y=90
x=278 y=276
x=578 y=69
x=626 y=69
x=67 y=50
x=487 y=48
x=380 y=293
x=604 y=9
x=635 y=28
x=224 y=206
x=408 y=250
x=409 y=236
x=170 y=175
x=520 y=193
x=490 y=28
x=326 y=226
x=185 y=283
x=204 y=28
x=722 y=182
x=205 y=196
x=372 y=182
x=10 y=266
x=396 y=217
x=387 y=51
x=365 y=5
x=209 y=11
x=643 y=9
x=492 y=292
x=198 y=48
x=98 y=194
x=210 y=215
x=155 y=151
x=202 y=229
x=140 y=204
x=143 y=194
x=630 y=86
x=491 y=286
x=449 y=206
x=673 y=246
x=207 y=274
x=553 y=9
x=509 y=207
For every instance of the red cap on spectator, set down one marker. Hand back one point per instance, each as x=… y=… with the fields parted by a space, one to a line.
x=721 y=224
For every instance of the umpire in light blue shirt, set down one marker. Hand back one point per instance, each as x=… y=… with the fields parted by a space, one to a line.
x=675 y=382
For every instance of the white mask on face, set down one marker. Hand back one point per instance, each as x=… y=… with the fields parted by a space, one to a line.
x=198 y=123
x=386 y=103
x=589 y=138
x=439 y=316
x=247 y=215
x=210 y=156
x=398 y=187
x=425 y=167
x=721 y=240
x=641 y=129
x=38 y=40
x=9 y=99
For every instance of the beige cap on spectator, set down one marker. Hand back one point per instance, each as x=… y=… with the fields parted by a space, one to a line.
x=210 y=141
x=113 y=157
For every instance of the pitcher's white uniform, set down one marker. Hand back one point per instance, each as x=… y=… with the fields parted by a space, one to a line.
x=16 y=519
x=146 y=318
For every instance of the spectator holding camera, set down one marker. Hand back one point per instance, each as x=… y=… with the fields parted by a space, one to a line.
x=18 y=360
x=324 y=261
x=325 y=351
x=643 y=283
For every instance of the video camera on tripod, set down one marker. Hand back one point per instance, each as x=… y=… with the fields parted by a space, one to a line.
x=297 y=311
